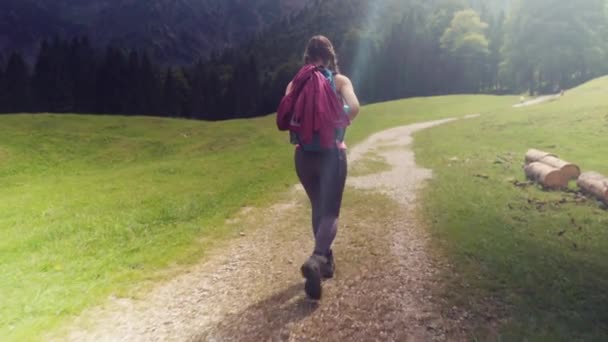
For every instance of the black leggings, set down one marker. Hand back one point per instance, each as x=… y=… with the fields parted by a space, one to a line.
x=323 y=175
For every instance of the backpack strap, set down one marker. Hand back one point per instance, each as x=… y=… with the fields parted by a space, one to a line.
x=329 y=75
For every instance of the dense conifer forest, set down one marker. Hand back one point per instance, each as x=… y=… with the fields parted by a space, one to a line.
x=391 y=49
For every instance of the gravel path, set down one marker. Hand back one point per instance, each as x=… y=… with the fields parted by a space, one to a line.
x=251 y=290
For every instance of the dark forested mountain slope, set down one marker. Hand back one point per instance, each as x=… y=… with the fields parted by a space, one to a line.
x=174 y=31
x=390 y=49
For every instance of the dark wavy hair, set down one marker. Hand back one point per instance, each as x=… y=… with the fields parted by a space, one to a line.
x=320 y=48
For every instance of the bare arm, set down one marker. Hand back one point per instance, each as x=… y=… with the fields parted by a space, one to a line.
x=288 y=90
x=346 y=90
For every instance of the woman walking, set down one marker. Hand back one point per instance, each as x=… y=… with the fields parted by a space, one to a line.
x=318 y=106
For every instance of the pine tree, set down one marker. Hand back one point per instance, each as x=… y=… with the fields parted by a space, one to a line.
x=174 y=94
x=251 y=91
x=61 y=96
x=213 y=90
x=111 y=85
x=198 y=98
x=82 y=70
x=17 y=84
x=3 y=89
x=134 y=94
x=184 y=91
x=150 y=87
x=231 y=102
x=42 y=80
x=496 y=36
x=242 y=97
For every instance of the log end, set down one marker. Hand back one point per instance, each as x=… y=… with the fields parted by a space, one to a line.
x=555 y=180
x=571 y=171
x=549 y=177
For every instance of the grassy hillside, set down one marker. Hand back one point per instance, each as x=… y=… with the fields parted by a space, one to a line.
x=92 y=206
x=541 y=254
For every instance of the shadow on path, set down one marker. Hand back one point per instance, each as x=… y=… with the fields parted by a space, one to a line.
x=269 y=320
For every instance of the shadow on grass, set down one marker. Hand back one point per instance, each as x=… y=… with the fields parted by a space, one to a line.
x=552 y=294
x=566 y=296
x=269 y=320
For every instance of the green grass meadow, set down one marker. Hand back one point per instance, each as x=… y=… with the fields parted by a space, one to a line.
x=93 y=206
x=541 y=256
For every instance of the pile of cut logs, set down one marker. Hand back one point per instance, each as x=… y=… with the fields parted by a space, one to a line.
x=554 y=173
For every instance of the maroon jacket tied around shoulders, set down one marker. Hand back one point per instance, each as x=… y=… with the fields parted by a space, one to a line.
x=312 y=107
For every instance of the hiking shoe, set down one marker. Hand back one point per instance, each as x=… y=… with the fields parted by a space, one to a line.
x=328 y=268
x=311 y=270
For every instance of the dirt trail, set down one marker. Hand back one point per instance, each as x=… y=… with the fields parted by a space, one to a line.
x=538 y=100
x=251 y=289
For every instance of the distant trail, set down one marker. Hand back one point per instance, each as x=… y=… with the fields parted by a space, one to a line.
x=251 y=290
x=538 y=100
